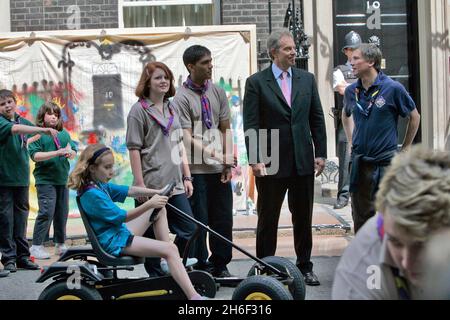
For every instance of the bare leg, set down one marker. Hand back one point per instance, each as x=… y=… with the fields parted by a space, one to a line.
x=144 y=247
x=139 y=225
x=162 y=247
x=161 y=226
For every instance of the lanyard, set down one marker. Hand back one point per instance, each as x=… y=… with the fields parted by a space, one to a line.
x=165 y=129
x=400 y=282
x=57 y=143
x=373 y=97
x=23 y=138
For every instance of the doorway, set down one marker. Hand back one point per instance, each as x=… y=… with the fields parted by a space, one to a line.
x=393 y=25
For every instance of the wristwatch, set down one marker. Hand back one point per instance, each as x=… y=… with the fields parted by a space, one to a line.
x=188 y=179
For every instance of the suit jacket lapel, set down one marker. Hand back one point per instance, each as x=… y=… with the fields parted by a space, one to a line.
x=296 y=85
x=273 y=85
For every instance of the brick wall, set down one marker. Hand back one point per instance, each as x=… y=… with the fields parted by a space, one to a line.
x=35 y=15
x=255 y=12
x=38 y=15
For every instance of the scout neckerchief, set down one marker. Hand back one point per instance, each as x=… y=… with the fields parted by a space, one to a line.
x=165 y=129
x=84 y=188
x=400 y=282
x=201 y=90
x=93 y=185
x=373 y=97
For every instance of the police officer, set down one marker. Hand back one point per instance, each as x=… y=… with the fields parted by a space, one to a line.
x=342 y=77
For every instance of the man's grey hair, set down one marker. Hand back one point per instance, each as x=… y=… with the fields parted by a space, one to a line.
x=273 y=42
x=371 y=53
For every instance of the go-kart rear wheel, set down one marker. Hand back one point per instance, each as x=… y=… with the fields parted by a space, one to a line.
x=203 y=283
x=60 y=291
x=297 y=288
x=261 y=288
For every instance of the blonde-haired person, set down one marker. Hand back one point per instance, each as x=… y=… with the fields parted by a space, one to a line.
x=51 y=171
x=385 y=259
x=120 y=231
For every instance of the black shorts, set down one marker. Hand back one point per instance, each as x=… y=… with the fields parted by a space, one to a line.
x=129 y=240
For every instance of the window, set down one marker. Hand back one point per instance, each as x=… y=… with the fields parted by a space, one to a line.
x=168 y=13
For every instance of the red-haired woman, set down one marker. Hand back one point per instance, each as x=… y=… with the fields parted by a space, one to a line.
x=157 y=154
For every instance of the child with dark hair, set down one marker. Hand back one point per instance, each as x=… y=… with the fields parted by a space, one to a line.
x=51 y=155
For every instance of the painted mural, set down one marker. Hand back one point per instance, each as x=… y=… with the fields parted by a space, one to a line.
x=93 y=82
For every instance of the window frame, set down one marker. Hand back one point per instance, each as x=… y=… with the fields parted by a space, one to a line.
x=153 y=3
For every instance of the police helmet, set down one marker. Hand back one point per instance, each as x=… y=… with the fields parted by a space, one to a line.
x=352 y=40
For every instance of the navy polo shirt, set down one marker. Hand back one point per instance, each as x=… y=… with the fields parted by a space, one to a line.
x=375 y=114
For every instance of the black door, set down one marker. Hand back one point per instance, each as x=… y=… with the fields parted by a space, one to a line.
x=391 y=23
x=108 y=111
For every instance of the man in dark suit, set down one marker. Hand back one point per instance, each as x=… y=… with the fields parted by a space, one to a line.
x=283 y=99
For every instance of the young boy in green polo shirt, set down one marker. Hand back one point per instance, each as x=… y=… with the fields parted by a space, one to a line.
x=14 y=183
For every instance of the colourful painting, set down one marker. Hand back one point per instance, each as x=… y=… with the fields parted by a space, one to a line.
x=93 y=82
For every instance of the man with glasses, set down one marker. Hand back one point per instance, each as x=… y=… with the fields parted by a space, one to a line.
x=372 y=106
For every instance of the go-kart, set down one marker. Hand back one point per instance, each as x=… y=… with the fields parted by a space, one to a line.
x=90 y=273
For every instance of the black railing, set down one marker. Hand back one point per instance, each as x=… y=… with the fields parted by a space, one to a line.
x=294 y=21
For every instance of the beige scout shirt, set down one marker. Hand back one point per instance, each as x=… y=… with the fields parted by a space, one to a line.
x=364 y=271
x=160 y=155
x=189 y=108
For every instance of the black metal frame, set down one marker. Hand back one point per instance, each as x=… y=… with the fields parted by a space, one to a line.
x=294 y=21
x=103 y=274
x=105 y=49
x=263 y=266
x=113 y=288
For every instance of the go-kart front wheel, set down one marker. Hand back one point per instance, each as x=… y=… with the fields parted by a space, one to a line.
x=261 y=288
x=60 y=291
x=297 y=287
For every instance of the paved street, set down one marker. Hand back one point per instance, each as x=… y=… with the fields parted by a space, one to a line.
x=22 y=286
x=328 y=244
